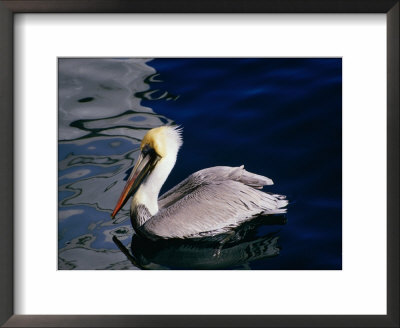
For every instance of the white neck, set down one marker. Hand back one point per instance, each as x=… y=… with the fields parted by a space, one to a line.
x=149 y=190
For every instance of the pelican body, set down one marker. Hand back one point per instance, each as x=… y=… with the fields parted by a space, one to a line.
x=207 y=203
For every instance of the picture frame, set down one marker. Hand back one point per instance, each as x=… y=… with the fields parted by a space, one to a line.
x=8 y=8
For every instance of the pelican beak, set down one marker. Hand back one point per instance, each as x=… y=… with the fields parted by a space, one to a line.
x=146 y=162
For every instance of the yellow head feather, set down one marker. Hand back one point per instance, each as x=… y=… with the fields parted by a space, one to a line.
x=157 y=139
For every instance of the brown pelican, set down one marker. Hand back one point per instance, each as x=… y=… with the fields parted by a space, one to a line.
x=207 y=203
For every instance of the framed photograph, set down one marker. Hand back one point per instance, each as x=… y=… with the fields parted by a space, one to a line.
x=239 y=151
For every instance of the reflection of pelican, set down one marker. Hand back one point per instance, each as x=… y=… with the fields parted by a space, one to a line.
x=207 y=203
x=238 y=248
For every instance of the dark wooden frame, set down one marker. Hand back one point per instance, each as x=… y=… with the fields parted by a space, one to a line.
x=7 y=10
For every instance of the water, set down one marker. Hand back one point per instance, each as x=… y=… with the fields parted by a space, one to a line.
x=281 y=118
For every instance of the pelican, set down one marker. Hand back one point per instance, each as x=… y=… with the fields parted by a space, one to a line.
x=209 y=202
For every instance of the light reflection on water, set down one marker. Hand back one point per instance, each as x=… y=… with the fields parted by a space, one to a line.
x=101 y=124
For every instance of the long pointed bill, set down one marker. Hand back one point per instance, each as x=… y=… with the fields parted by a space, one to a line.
x=142 y=168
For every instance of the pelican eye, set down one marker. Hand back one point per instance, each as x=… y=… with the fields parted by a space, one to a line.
x=150 y=151
x=147 y=150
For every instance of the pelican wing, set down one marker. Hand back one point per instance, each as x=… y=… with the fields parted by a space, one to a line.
x=209 y=176
x=212 y=201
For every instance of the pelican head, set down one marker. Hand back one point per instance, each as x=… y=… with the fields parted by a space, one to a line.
x=158 y=151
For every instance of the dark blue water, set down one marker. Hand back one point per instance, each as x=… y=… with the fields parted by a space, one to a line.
x=281 y=118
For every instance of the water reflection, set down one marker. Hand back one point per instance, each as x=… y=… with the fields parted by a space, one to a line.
x=226 y=251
